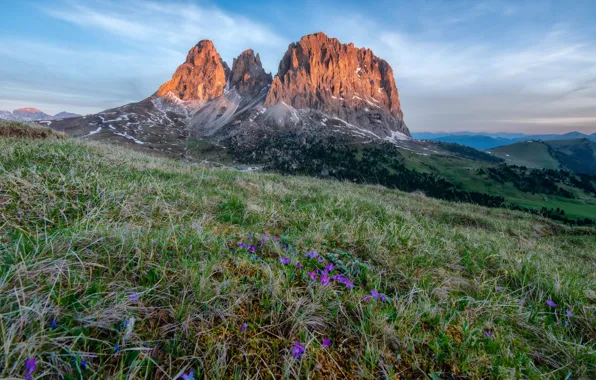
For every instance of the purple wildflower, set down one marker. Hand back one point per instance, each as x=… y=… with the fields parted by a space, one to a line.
x=344 y=280
x=551 y=303
x=285 y=260
x=320 y=259
x=367 y=299
x=275 y=238
x=30 y=367
x=567 y=324
x=324 y=273
x=299 y=266
x=133 y=297
x=339 y=278
x=252 y=248
x=312 y=255
x=499 y=289
x=325 y=280
x=297 y=350
x=265 y=236
x=54 y=324
x=488 y=334
x=522 y=302
x=378 y=296
x=326 y=342
x=243 y=327
x=242 y=245
x=330 y=268
x=569 y=313
x=250 y=236
x=313 y=276
x=190 y=376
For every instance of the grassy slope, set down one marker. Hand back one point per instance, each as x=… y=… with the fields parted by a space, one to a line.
x=462 y=172
x=84 y=227
x=16 y=129
x=529 y=154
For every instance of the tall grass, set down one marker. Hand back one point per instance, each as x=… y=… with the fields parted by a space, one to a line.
x=115 y=264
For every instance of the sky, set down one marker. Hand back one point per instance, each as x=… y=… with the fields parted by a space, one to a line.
x=460 y=65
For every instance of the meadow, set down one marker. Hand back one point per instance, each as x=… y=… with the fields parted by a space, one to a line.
x=116 y=264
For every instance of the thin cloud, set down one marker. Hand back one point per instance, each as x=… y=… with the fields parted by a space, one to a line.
x=175 y=26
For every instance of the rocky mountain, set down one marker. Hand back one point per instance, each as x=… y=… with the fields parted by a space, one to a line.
x=201 y=78
x=340 y=80
x=33 y=114
x=248 y=75
x=324 y=90
x=246 y=90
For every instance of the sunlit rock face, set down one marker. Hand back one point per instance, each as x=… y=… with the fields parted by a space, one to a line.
x=340 y=80
x=202 y=77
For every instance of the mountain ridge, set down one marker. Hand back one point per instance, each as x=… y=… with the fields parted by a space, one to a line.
x=34 y=114
x=487 y=140
x=205 y=99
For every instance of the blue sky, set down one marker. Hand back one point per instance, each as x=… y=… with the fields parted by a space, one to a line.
x=485 y=65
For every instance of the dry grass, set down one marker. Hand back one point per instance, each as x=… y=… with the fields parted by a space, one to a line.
x=14 y=129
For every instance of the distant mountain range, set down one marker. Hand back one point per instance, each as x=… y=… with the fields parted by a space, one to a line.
x=484 y=140
x=33 y=114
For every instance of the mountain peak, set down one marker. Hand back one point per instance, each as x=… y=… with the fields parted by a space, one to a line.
x=248 y=75
x=28 y=109
x=202 y=77
x=321 y=73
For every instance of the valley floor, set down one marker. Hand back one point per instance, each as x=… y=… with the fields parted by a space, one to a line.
x=121 y=265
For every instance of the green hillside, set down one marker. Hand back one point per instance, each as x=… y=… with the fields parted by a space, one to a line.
x=532 y=154
x=115 y=264
x=470 y=175
x=576 y=155
x=439 y=170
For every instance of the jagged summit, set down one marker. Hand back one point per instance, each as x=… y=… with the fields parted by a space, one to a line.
x=202 y=77
x=248 y=75
x=321 y=73
x=324 y=89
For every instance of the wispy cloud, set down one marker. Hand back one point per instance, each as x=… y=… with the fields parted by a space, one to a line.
x=142 y=43
x=172 y=26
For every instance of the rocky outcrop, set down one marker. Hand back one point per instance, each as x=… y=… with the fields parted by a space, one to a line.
x=247 y=74
x=340 y=80
x=247 y=88
x=202 y=77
